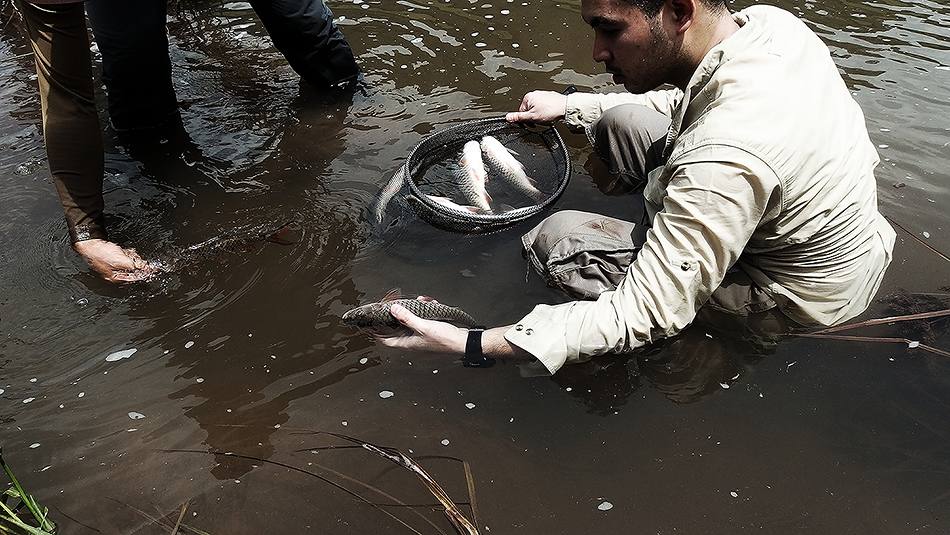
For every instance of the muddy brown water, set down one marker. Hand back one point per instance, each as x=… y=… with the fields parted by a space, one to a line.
x=241 y=349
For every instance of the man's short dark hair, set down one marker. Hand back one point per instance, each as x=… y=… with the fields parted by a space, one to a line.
x=652 y=7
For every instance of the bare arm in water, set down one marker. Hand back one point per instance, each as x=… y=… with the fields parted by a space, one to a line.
x=442 y=337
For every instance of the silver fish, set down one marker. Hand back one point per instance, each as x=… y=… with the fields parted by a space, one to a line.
x=377 y=315
x=446 y=202
x=389 y=191
x=509 y=168
x=473 y=176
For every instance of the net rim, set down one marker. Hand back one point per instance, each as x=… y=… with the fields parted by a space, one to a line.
x=489 y=220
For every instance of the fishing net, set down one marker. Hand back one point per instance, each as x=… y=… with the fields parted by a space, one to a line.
x=432 y=169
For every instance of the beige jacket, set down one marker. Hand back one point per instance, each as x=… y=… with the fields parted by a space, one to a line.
x=770 y=169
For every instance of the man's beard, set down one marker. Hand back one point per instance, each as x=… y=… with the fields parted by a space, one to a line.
x=660 y=68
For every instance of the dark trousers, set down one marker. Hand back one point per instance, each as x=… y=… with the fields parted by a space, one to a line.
x=132 y=39
x=71 y=131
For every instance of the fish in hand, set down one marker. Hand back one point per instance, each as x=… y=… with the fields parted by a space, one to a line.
x=503 y=162
x=376 y=316
x=473 y=176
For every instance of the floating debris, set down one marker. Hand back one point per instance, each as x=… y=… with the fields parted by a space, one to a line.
x=27 y=400
x=605 y=506
x=386 y=394
x=734 y=494
x=119 y=355
x=189 y=343
x=136 y=415
x=364 y=360
x=724 y=385
x=34 y=445
x=913 y=344
x=926 y=234
x=445 y=442
x=469 y=406
x=200 y=380
x=81 y=394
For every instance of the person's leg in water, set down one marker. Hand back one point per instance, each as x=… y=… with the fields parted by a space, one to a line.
x=136 y=68
x=72 y=133
x=304 y=32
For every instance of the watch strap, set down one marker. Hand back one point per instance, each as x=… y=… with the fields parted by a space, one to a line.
x=474 y=357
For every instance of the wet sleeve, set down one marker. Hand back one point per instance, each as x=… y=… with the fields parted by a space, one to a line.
x=583 y=109
x=709 y=214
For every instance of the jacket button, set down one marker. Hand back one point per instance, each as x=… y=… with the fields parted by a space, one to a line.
x=528 y=331
x=685 y=265
x=519 y=327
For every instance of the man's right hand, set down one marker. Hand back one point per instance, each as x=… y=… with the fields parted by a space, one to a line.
x=113 y=263
x=540 y=107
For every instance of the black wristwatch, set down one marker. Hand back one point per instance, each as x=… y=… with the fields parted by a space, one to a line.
x=474 y=358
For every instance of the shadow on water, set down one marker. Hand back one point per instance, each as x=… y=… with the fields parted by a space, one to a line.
x=216 y=298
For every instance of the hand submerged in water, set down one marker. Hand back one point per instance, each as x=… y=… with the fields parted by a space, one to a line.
x=113 y=263
x=540 y=107
x=426 y=335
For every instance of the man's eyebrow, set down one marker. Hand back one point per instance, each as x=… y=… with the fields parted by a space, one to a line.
x=600 y=21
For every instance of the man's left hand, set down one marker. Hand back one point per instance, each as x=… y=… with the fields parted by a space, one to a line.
x=426 y=335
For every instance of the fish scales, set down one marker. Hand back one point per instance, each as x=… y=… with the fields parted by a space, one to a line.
x=473 y=176
x=500 y=159
x=378 y=315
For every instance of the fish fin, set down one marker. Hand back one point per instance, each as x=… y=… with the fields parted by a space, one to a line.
x=392 y=295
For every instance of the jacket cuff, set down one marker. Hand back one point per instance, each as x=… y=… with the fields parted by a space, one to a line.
x=91 y=230
x=544 y=334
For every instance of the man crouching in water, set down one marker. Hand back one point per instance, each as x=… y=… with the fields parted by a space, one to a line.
x=757 y=174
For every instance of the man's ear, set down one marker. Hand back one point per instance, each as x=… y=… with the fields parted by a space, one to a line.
x=681 y=13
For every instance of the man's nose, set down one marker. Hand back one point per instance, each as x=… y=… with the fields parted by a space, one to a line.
x=601 y=51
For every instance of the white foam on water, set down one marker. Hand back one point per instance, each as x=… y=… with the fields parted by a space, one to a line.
x=386 y=394
x=136 y=415
x=119 y=355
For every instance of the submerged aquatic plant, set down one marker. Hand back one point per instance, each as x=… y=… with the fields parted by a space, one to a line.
x=19 y=512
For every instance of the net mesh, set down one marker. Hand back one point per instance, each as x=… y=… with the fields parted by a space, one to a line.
x=432 y=169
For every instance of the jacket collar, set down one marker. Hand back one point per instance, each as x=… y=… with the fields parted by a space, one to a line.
x=707 y=68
